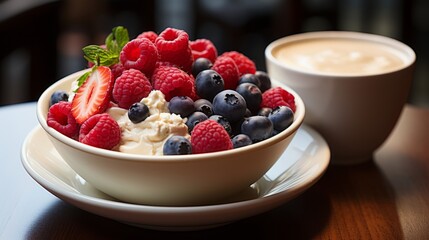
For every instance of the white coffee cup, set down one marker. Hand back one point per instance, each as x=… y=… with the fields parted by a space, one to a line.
x=354 y=86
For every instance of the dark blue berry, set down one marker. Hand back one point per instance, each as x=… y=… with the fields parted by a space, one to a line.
x=258 y=128
x=264 y=111
x=248 y=113
x=241 y=140
x=194 y=119
x=208 y=83
x=281 y=117
x=58 y=96
x=264 y=80
x=251 y=94
x=182 y=105
x=236 y=127
x=249 y=78
x=229 y=104
x=200 y=64
x=223 y=122
x=138 y=112
x=204 y=106
x=177 y=145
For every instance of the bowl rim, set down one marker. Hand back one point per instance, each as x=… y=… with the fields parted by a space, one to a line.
x=354 y=35
x=43 y=100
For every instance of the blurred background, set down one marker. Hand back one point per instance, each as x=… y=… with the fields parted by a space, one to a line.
x=41 y=40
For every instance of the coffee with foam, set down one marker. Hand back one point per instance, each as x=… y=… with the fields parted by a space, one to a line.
x=340 y=56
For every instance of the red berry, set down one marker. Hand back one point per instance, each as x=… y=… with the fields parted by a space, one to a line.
x=149 y=35
x=203 y=48
x=210 y=136
x=140 y=54
x=117 y=70
x=61 y=119
x=173 y=46
x=101 y=131
x=278 y=96
x=227 y=68
x=94 y=95
x=172 y=81
x=244 y=64
x=130 y=87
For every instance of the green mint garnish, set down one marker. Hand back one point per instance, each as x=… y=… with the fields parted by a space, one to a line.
x=116 y=40
x=100 y=56
x=83 y=78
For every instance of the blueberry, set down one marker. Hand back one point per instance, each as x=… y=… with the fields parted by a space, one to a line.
x=264 y=79
x=249 y=78
x=138 y=112
x=251 y=94
x=182 y=105
x=241 y=140
x=223 y=122
x=58 y=96
x=208 y=83
x=229 y=104
x=248 y=113
x=236 y=127
x=200 y=64
x=194 y=119
x=177 y=145
x=258 y=128
x=281 y=117
x=265 y=111
x=204 y=106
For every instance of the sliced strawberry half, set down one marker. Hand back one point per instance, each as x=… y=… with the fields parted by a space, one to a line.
x=94 y=95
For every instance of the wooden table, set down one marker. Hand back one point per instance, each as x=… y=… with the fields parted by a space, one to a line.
x=387 y=198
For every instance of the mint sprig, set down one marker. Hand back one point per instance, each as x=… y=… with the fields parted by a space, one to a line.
x=83 y=78
x=108 y=56
x=117 y=39
x=100 y=56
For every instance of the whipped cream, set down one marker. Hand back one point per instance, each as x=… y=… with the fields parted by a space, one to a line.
x=148 y=136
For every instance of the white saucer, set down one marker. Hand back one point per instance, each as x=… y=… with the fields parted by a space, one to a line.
x=300 y=166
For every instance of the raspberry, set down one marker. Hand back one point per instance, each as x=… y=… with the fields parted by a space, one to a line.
x=130 y=87
x=244 y=64
x=101 y=131
x=173 y=46
x=210 y=136
x=61 y=119
x=203 y=48
x=117 y=70
x=151 y=35
x=278 y=96
x=227 y=68
x=140 y=54
x=172 y=81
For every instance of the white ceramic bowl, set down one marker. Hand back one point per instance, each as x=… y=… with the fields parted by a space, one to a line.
x=168 y=180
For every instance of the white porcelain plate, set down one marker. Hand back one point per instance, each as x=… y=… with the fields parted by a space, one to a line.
x=300 y=166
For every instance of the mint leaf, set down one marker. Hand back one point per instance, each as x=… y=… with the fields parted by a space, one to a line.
x=111 y=44
x=100 y=56
x=116 y=40
x=83 y=78
x=121 y=36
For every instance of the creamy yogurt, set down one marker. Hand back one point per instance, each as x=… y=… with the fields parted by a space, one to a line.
x=148 y=136
x=340 y=56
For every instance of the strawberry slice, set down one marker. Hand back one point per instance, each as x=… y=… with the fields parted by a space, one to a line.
x=94 y=95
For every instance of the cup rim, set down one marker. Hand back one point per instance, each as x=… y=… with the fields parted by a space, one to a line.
x=402 y=47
